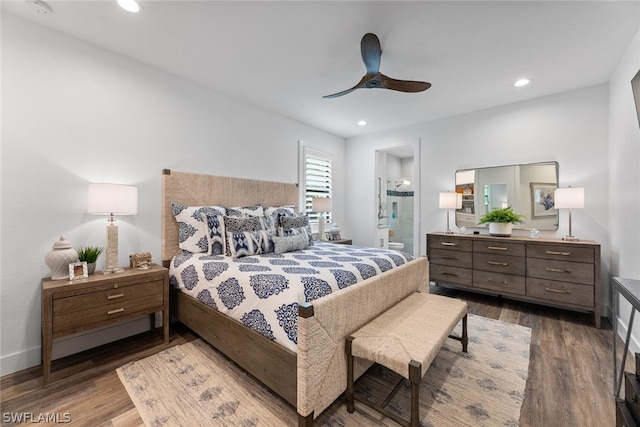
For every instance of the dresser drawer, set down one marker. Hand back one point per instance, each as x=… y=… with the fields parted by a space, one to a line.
x=75 y=303
x=89 y=318
x=561 y=253
x=561 y=292
x=503 y=248
x=453 y=275
x=451 y=243
x=449 y=257
x=563 y=271
x=502 y=283
x=499 y=263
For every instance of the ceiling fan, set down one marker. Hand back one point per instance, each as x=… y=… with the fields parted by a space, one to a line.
x=371 y=52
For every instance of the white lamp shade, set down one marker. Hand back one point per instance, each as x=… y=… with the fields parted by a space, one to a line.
x=567 y=198
x=321 y=204
x=450 y=200
x=114 y=199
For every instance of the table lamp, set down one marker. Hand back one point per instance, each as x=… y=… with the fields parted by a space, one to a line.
x=450 y=201
x=321 y=205
x=569 y=198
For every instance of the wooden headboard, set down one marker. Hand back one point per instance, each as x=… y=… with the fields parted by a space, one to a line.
x=192 y=189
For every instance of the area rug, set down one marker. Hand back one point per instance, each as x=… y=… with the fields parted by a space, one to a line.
x=194 y=384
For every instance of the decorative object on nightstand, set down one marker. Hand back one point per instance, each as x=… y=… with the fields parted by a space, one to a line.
x=74 y=306
x=501 y=221
x=569 y=198
x=90 y=255
x=140 y=260
x=321 y=205
x=450 y=201
x=59 y=257
x=335 y=231
x=112 y=199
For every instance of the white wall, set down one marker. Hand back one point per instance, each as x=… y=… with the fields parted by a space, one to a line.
x=73 y=114
x=570 y=128
x=624 y=175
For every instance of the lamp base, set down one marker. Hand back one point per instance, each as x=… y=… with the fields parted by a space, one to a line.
x=570 y=239
x=112 y=246
x=448 y=232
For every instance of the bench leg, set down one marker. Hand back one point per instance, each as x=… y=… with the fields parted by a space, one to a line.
x=415 y=376
x=465 y=336
x=349 y=392
x=305 y=421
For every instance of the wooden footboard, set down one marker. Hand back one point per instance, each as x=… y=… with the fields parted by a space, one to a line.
x=324 y=325
x=271 y=363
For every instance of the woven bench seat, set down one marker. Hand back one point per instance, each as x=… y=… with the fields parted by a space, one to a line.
x=406 y=338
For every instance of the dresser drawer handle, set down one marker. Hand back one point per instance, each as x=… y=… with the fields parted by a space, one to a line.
x=558 y=291
x=444 y=273
x=557 y=253
x=502 y=282
x=449 y=244
x=557 y=270
x=450 y=257
x=114 y=296
x=117 y=310
x=497 y=248
x=504 y=264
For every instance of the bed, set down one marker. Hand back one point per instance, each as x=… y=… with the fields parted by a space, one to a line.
x=311 y=374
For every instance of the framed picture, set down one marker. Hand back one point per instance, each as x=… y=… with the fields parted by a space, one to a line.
x=542 y=201
x=78 y=270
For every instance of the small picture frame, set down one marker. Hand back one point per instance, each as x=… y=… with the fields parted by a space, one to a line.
x=78 y=270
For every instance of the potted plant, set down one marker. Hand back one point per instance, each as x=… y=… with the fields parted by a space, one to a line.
x=90 y=254
x=501 y=221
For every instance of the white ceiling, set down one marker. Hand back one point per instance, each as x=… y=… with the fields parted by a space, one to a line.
x=284 y=56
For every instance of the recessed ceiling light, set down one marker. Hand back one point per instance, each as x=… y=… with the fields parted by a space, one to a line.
x=521 y=82
x=129 y=5
x=362 y=123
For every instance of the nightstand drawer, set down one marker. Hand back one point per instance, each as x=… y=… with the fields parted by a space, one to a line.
x=451 y=258
x=93 y=316
x=72 y=304
x=561 y=292
x=563 y=271
x=499 y=263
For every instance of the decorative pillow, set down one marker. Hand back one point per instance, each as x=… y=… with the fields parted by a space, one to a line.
x=290 y=243
x=239 y=212
x=296 y=222
x=192 y=228
x=288 y=210
x=282 y=232
x=271 y=218
x=243 y=243
x=215 y=232
x=235 y=224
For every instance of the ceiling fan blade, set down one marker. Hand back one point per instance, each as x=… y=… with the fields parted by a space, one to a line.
x=361 y=83
x=371 y=52
x=403 y=85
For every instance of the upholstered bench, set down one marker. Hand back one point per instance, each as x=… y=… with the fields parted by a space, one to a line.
x=406 y=338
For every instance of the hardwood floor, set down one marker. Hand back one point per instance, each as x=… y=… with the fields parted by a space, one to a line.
x=570 y=375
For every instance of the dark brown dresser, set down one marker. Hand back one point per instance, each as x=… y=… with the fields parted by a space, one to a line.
x=545 y=271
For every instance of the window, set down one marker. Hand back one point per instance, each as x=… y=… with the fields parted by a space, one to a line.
x=317 y=180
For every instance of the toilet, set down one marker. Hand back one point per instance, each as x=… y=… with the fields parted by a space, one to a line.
x=396 y=246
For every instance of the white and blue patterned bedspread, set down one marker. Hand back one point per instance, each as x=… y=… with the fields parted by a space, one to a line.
x=263 y=291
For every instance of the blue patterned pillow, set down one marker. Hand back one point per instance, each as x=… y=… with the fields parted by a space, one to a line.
x=240 y=211
x=290 y=243
x=192 y=228
x=215 y=232
x=297 y=224
x=243 y=243
x=235 y=225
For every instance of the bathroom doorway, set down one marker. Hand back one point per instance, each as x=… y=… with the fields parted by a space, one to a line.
x=397 y=180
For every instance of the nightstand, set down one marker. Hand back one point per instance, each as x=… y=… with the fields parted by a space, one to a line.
x=342 y=242
x=69 y=307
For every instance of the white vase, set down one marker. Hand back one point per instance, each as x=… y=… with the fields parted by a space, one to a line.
x=500 y=229
x=335 y=230
x=59 y=258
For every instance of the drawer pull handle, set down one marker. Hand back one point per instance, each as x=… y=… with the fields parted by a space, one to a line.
x=504 y=264
x=450 y=257
x=497 y=248
x=115 y=296
x=558 y=291
x=557 y=253
x=444 y=273
x=502 y=282
x=117 y=310
x=557 y=270
x=449 y=244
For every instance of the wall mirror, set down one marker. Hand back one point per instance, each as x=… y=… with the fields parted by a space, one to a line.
x=527 y=188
